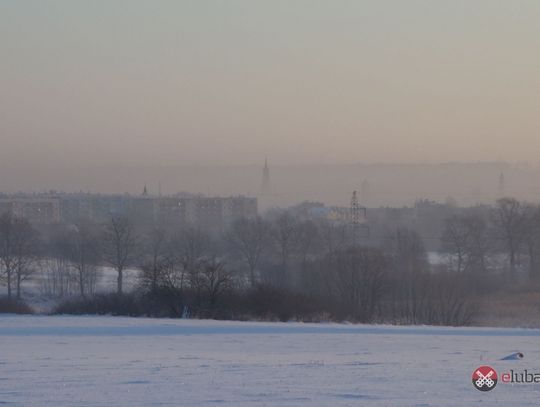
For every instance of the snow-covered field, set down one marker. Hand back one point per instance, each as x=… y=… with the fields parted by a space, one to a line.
x=111 y=361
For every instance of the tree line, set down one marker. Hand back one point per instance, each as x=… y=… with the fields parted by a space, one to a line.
x=278 y=267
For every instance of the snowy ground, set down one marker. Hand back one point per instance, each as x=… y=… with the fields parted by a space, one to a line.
x=111 y=361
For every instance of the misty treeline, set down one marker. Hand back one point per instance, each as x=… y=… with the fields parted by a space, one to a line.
x=279 y=267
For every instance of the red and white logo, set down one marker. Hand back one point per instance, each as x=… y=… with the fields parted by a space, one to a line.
x=484 y=378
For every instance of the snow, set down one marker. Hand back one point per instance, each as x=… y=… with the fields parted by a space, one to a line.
x=113 y=361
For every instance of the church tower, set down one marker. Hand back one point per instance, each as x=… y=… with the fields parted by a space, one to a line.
x=265 y=186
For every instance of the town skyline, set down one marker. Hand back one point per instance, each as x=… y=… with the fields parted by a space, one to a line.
x=383 y=184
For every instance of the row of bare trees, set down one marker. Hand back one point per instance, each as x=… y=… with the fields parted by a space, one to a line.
x=75 y=251
x=510 y=231
x=316 y=260
x=385 y=279
x=19 y=250
x=178 y=261
x=389 y=281
x=86 y=246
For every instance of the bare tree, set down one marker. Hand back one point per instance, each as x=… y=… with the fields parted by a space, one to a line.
x=7 y=249
x=58 y=277
x=285 y=235
x=308 y=240
x=455 y=240
x=309 y=245
x=157 y=259
x=120 y=246
x=212 y=280
x=25 y=246
x=409 y=276
x=357 y=278
x=78 y=244
x=465 y=239
x=478 y=244
x=188 y=247
x=249 y=237
x=334 y=236
x=510 y=219
x=18 y=250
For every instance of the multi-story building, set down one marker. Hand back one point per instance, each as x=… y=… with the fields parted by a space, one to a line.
x=208 y=213
x=234 y=208
x=36 y=209
x=94 y=207
x=214 y=213
x=171 y=211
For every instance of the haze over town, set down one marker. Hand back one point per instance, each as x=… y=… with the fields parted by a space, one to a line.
x=89 y=85
x=269 y=203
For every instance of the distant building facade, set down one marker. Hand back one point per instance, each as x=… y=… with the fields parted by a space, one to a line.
x=207 y=213
x=36 y=209
x=335 y=214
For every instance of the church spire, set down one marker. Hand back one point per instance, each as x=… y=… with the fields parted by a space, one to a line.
x=265 y=187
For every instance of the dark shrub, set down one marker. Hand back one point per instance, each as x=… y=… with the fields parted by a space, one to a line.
x=270 y=303
x=165 y=303
x=13 y=306
x=110 y=304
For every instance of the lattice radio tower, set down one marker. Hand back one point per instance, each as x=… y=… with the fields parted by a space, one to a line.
x=357 y=213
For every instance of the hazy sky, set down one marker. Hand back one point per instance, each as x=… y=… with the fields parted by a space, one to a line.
x=184 y=82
